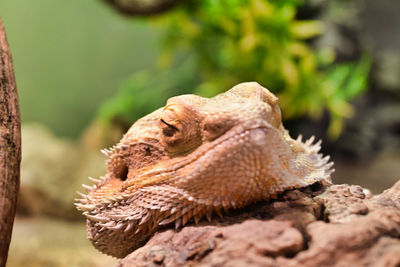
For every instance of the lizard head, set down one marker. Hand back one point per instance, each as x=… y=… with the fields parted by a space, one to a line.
x=192 y=158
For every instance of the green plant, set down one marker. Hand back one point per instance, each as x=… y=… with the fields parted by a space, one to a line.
x=146 y=91
x=233 y=41
x=255 y=40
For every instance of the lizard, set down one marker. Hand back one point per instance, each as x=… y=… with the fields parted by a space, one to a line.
x=197 y=157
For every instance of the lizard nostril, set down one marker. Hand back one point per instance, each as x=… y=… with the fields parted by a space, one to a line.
x=122 y=172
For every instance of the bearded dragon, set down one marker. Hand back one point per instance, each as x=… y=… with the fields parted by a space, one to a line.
x=193 y=158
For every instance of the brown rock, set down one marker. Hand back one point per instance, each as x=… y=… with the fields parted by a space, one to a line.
x=341 y=226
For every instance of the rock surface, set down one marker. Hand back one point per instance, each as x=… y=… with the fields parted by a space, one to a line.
x=341 y=226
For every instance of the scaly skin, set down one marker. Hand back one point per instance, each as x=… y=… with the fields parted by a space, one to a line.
x=195 y=157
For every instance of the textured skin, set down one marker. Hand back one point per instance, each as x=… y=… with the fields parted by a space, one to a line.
x=196 y=157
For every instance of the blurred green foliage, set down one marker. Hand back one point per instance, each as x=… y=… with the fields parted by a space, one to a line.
x=69 y=56
x=145 y=91
x=233 y=41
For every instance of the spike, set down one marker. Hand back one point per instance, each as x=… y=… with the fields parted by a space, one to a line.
x=310 y=140
x=197 y=219
x=209 y=215
x=178 y=223
x=97 y=218
x=325 y=159
x=316 y=147
x=164 y=208
x=138 y=229
x=319 y=143
x=218 y=211
x=329 y=165
x=185 y=219
x=226 y=208
x=94 y=180
x=144 y=218
x=88 y=188
x=117 y=216
x=117 y=227
x=114 y=149
x=185 y=210
x=128 y=227
x=123 y=146
x=82 y=201
x=234 y=203
x=82 y=207
x=81 y=194
x=107 y=224
x=105 y=151
x=165 y=221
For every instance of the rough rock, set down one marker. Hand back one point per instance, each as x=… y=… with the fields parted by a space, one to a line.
x=344 y=225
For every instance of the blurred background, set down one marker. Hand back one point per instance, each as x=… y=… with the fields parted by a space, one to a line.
x=86 y=70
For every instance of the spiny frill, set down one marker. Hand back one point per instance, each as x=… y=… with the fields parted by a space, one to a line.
x=193 y=158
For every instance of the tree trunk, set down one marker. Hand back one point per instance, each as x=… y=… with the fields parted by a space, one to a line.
x=142 y=7
x=10 y=146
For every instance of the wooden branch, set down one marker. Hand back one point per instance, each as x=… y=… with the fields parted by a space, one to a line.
x=10 y=146
x=142 y=7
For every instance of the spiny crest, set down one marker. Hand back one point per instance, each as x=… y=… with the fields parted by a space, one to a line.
x=113 y=150
x=320 y=162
